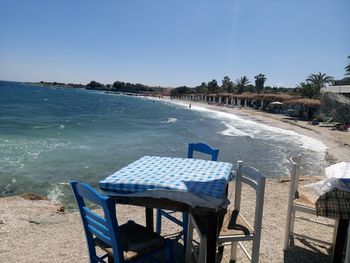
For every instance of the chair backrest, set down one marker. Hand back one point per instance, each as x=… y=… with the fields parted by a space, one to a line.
x=104 y=228
x=203 y=148
x=294 y=177
x=252 y=177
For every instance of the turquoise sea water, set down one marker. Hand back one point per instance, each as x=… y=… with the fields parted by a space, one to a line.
x=51 y=135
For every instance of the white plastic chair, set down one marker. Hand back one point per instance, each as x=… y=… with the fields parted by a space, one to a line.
x=235 y=228
x=298 y=202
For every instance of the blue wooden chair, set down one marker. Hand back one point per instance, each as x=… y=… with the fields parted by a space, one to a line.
x=192 y=147
x=129 y=242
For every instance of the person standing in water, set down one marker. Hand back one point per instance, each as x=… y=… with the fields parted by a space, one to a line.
x=189 y=106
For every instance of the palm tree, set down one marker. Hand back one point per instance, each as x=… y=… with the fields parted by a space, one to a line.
x=227 y=84
x=213 y=87
x=307 y=90
x=347 y=68
x=259 y=82
x=241 y=83
x=319 y=80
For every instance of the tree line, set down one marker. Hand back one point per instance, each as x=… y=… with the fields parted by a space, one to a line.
x=310 y=88
x=120 y=86
x=240 y=85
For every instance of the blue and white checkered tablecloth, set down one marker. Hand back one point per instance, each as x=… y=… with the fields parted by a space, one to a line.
x=166 y=173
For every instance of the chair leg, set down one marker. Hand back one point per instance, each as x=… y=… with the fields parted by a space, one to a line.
x=169 y=251
x=189 y=248
x=185 y=228
x=202 y=249
x=255 y=251
x=233 y=251
x=159 y=221
x=287 y=231
x=292 y=221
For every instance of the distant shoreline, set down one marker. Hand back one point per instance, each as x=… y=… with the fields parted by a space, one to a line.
x=337 y=142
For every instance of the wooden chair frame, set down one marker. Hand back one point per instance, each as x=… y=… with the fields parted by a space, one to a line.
x=294 y=207
x=103 y=230
x=253 y=178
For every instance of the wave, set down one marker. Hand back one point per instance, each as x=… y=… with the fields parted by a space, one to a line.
x=232 y=131
x=61 y=126
x=170 y=120
x=56 y=191
x=238 y=126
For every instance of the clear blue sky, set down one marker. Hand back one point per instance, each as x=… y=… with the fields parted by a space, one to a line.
x=172 y=43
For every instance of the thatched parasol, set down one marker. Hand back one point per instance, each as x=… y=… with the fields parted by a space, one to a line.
x=305 y=102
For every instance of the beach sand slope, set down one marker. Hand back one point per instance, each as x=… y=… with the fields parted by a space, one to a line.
x=34 y=230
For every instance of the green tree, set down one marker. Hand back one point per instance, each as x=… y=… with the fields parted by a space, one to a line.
x=347 y=68
x=319 y=80
x=308 y=90
x=94 y=85
x=202 y=89
x=213 y=86
x=241 y=84
x=259 y=82
x=227 y=85
x=180 y=91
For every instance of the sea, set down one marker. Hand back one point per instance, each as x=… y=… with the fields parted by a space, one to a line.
x=51 y=135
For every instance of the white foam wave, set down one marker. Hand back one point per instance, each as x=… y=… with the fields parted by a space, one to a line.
x=170 y=120
x=61 y=126
x=44 y=126
x=238 y=126
x=232 y=131
x=56 y=192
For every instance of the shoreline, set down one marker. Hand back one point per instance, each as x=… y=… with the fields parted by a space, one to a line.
x=47 y=232
x=337 y=142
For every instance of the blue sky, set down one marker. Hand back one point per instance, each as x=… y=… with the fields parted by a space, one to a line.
x=173 y=43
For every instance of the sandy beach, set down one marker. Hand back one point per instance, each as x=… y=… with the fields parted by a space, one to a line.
x=337 y=142
x=39 y=231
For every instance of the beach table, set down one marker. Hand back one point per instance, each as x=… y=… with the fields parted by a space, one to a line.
x=180 y=184
x=336 y=204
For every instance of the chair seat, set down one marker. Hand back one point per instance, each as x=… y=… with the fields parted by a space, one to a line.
x=136 y=241
x=235 y=225
x=305 y=200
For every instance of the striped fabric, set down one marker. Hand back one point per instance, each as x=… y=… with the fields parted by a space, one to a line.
x=165 y=173
x=334 y=204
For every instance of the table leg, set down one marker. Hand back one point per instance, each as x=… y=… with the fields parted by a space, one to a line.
x=342 y=232
x=149 y=219
x=212 y=237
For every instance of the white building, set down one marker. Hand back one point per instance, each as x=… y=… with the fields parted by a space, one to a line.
x=343 y=90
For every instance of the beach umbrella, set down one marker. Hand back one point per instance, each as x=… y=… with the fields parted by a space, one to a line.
x=338 y=170
x=276 y=103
